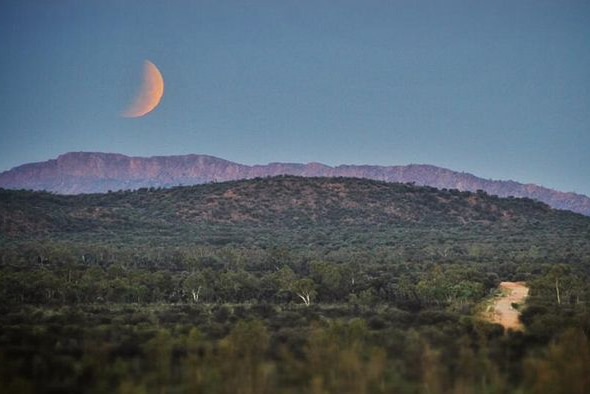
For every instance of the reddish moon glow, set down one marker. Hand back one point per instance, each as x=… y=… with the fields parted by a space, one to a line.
x=150 y=94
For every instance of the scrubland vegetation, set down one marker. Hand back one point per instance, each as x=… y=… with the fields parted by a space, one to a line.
x=289 y=285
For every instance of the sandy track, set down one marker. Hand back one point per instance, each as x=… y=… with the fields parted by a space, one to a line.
x=502 y=311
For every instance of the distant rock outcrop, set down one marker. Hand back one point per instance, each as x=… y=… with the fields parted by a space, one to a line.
x=82 y=172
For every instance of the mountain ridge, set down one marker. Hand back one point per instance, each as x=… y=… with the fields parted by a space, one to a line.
x=96 y=172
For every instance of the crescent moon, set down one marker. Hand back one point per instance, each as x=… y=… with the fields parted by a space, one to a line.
x=150 y=94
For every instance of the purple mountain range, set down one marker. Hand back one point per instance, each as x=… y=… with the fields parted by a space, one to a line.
x=83 y=172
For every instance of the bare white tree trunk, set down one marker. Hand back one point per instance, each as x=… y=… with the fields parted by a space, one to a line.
x=306 y=297
x=196 y=294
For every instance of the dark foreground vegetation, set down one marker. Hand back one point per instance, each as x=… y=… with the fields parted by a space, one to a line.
x=289 y=285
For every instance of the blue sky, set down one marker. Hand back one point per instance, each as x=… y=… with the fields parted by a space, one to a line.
x=500 y=89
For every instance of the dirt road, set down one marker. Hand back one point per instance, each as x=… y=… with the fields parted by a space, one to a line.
x=502 y=312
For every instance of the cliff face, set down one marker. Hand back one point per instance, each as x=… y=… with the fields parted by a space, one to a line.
x=80 y=172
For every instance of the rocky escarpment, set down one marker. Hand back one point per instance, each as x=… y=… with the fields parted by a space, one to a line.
x=83 y=172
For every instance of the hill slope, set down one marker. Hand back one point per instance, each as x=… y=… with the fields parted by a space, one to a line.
x=328 y=214
x=74 y=173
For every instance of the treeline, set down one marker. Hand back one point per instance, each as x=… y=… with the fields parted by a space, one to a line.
x=68 y=274
x=53 y=274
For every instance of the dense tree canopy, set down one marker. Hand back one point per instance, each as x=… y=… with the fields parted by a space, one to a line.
x=288 y=285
